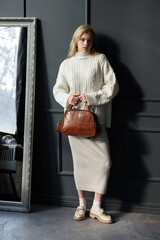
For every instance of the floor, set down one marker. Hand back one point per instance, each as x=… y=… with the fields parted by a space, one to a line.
x=56 y=223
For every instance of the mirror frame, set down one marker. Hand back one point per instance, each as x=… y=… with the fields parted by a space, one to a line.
x=31 y=24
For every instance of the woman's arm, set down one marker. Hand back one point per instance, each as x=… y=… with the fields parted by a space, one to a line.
x=61 y=89
x=109 y=89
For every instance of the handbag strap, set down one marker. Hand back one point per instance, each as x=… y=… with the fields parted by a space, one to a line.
x=88 y=107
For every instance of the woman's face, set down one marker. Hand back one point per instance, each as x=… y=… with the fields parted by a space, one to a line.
x=85 y=43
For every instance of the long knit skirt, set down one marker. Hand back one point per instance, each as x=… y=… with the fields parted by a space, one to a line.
x=91 y=161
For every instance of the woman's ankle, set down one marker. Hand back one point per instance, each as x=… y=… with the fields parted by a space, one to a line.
x=83 y=202
x=96 y=205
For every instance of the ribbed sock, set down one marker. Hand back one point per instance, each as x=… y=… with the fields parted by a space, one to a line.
x=82 y=202
x=96 y=205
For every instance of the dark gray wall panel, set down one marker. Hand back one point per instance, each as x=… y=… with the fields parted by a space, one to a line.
x=128 y=34
x=58 y=21
x=11 y=8
x=52 y=164
x=137 y=107
x=64 y=158
x=134 y=136
x=128 y=31
x=139 y=158
x=48 y=179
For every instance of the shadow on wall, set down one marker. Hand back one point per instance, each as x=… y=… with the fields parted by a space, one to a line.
x=44 y=171
x=128 y=144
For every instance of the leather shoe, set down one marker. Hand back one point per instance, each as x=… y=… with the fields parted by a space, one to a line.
x=80 y=213
x=100 y=215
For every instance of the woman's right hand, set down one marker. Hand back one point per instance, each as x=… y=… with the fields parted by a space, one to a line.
x=73 y=99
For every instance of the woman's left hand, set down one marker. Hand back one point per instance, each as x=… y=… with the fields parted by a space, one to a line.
x=82 y=97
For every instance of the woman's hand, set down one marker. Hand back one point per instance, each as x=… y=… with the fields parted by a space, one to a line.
x=73 y=99
x=82 y=97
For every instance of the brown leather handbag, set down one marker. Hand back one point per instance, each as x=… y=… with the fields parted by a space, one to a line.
x=77 y=122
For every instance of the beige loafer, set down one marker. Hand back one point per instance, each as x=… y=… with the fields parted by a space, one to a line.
x=80 y=213
x=101 y=216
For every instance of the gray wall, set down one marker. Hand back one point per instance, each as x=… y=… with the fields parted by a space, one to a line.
x=128 y=33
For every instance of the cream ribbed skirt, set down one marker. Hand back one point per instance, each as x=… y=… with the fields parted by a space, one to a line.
x=91 y=161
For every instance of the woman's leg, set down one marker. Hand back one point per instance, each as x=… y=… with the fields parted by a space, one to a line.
x=97 y=201
x=82 y=198
x=80 y=213
x=98 y=197
x=81 y=194
x=96 y=210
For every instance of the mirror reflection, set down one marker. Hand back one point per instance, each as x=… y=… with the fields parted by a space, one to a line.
x=13 y=51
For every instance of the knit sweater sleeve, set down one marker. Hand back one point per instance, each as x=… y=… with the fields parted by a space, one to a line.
x=61 y=89
x=109 y=89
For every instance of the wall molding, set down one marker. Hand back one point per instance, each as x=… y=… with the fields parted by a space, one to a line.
x=59 y=153
x=56 y=111
x=87 y=12
x=59 y=157
x=113 y=177
x=24 y=8
x=108 y=203
x=147 y=130
x=143 y=99
x=134 y=178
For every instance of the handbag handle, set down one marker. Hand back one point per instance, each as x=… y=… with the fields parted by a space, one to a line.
x=88 y=108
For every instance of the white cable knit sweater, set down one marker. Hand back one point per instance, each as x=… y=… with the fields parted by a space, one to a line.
x=92 y=75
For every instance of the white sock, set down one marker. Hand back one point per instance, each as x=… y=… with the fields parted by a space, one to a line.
x=82 y=202
x=96 y=205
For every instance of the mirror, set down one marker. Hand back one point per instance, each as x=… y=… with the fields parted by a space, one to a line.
x=17 y=93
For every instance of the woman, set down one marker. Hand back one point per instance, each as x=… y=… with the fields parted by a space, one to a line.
x=87 y=77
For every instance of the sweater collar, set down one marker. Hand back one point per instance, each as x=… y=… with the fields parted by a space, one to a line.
x=82 y=55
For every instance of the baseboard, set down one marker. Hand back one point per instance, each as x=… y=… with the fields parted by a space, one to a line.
x=108 y=204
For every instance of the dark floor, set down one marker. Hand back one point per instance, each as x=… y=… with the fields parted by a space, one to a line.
x=56 y=223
